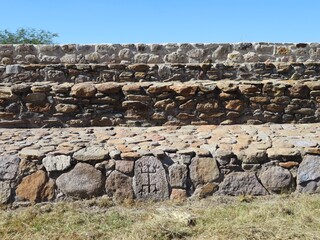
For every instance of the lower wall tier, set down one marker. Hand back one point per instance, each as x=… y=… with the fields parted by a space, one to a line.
x=49 y=104
x=158 y=162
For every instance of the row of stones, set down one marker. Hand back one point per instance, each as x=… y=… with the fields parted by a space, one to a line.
x=156 y=72
x=93 y=171
x=159 y=53
x=150 y=104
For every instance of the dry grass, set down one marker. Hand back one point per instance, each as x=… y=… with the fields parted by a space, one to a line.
x=275 y=217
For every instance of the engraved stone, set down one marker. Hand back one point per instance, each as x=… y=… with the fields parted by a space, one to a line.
x=150 y=181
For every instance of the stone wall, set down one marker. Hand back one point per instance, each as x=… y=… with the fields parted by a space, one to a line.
x=53 y=104
x=176 y=95
x=158 y=163
x=160 y=53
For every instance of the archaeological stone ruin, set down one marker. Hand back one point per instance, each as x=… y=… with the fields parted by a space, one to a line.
x=158 y=121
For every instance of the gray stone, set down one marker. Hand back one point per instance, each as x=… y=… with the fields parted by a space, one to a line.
x=83 y=181
x=309 y=174
x=204 y=170
x=125 y=166
x=252 y=155
x=150 y=180
x=5 y=192
x=241 y=183
x=13 y=69
x=91 y=154
x=178 y=175
x=8 y=167
x=56 y=163
x=115 y=154
x=276 y=179
x=119 y=186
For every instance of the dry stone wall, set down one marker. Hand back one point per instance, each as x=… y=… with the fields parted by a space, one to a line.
x=158 y=84
x=158 y=163
x=176 y=95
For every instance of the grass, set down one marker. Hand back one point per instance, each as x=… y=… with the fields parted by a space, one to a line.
x=273 y=217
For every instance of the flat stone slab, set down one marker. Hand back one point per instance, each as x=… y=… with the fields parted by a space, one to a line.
x=150 y=181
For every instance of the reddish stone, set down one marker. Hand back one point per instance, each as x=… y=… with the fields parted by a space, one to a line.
x=36 y=187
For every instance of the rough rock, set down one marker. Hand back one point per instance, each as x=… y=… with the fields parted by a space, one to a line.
x=91 y=154
x=119 y=186
x=83 y=181
x=5 y=192
x=203 y=191
x=203 y=170
x=253 y=155
x=178 y=175
x=36 y=187
x=241 y=183
x=178 y=194
x=83 y=90
x=56 y=163
x=308 y=178
x=124 y=166
x=283 y=154
x=8 y=167
x=150 y=180
x=276 y=179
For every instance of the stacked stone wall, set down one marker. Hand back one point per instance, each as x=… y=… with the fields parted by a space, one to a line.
x=147 y=119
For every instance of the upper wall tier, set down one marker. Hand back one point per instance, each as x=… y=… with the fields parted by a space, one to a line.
x=160 y=53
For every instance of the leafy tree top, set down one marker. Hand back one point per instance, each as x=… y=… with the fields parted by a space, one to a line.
x=27 y=36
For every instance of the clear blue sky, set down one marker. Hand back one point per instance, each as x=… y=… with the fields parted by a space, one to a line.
x=162 y=21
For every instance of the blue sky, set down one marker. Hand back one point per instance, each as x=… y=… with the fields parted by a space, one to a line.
x=162 y=21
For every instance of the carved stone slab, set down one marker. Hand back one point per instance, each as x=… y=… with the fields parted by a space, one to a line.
x=150 y=181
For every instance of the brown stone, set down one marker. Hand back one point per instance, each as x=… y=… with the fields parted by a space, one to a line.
x=178 y=195
x=108 y=88
x=289 y=164
x=139 y=67
x=208 y=106
x=132 y=88
x=184 y=90
x=299 y=91
x=66 y=108
x=38 y=107
x=205 y=190
x=35 y=97
x=235 y=105
x=119 y=186
x=125 y=166
x=227 y=86
x=261 y=100
x=166 y=104
x=274 y=107
x=159 y=88
x=188 y=105
x=204 y=170
x=83 y=90
x=185 y=116
x=249 y=89
x=36 y=187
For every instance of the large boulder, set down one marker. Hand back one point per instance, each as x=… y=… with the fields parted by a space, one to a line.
x=276 y=179
x=241 y=183
x=308 y=178
x=83 y=181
